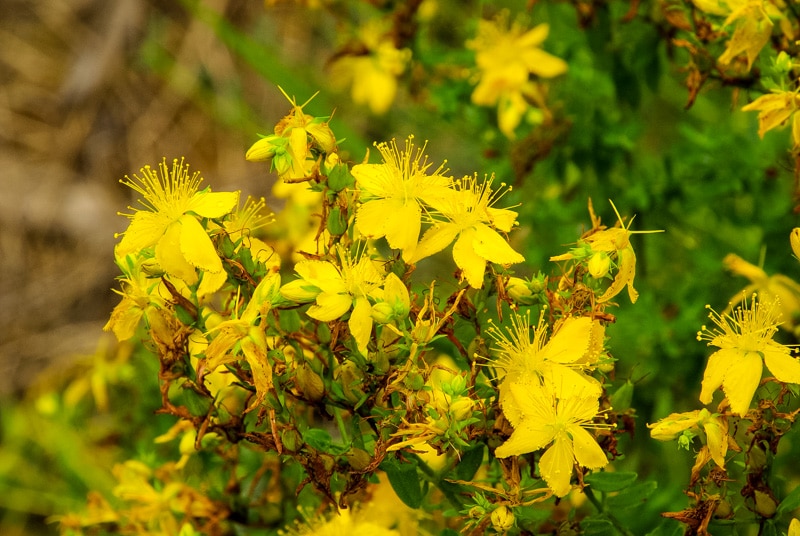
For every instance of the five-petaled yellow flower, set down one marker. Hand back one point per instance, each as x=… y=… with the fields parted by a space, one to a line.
x=506 y=57
x=745 y=342
x=170 y=221
x=392 y=194
x=472 y=222
x=338 y=289
x=561 y=423
x=530 y=360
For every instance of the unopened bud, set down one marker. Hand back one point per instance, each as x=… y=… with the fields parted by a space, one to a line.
x=309 y=383
x=359 y=459
x=519 y=291
x=599 y=264
x=337 y=222
x=794 y=240
x=502 y=519
x=765 y=504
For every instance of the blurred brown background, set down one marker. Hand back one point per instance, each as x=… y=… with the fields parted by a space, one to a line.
x=91 y=90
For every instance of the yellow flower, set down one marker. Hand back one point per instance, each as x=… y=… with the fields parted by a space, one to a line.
x=715 y=427
x=338 y=289
x=372 y=72
x=170 y=220
x=392 y=194
x=616 y=243
x=346 y=522
x=745 y=339
x=241 y=225
x=506 y=58
x=770 y=287
x=471 y=222
x=558 y=422
x=774 y=109
x=531 y=360
x=299 y=140
x=794 y=527
x=140 y=292
x=753 y=30
x=242 y=335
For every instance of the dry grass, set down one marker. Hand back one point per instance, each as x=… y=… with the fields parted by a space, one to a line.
x=80 y=107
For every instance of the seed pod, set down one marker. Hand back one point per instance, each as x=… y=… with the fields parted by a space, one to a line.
x=309 y=383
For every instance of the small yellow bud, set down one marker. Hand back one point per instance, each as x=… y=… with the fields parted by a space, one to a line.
x=599 y=265
x=502 y=519
x=794 y=240
x=519 y=291
x=461 y=408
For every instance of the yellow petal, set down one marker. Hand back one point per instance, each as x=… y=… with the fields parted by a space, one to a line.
x=211 y=282
x=196 y=246
x=322 y=274
x=587 y=452
x=169 y=256
x=124 y=319
x=254 y=347
x=781 y=364
x=542 y=63
x=472 y=265
x=626 y=260
x=528 y=437
x=741 y=381
x=718 y=364
x=494 y=248
x=569 y=383
x=145 y=229
x=330 y=306
x=213 y=204
x=434 y=240
x=556 y=466
x=717 y=441
x=570 y=342
x=360 y=324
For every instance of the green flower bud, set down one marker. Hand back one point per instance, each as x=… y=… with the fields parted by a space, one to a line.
x=337 y=222
x=340 y=178
x=765 y=504
x=309 y=383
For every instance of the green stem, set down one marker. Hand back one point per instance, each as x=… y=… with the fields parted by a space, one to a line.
x=337 y=414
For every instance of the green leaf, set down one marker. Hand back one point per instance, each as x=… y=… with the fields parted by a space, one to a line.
x=405 y=481
x=632 y=496
x=668 y=527
x=790 y=502
x=598 y=527
x=318 y=439
x=607 y=482
x=470 y=462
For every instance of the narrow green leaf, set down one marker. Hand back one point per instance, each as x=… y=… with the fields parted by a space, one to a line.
x=608 y=482
x=790 y=502
x=632 y=496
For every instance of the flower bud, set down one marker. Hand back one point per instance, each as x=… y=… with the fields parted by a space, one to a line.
x=265 y=148
x=337 y=222
x=794 y=240
x=519 y=291
x=599 y=264
x=461 y=408
x=309 y=383
x=359 y=459
x=502 y=519
x=382 y=313
x=765 y=505
x=339 y=176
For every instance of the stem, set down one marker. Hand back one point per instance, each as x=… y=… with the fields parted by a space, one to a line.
x=337 y=413
x=600 y=508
